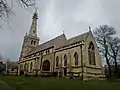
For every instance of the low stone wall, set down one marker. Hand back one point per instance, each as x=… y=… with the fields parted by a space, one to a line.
x=97 y=77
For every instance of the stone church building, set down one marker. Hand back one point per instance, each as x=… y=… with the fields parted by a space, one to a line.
x=77 y=56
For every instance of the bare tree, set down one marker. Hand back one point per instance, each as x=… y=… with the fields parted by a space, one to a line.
x=114 y=51
x=102 y=35
x=5 y=9
x=2 y=66
x=27 y=3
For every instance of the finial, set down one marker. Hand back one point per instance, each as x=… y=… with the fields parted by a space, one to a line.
x=89 y=28
x=35 y=14
x=63 y=32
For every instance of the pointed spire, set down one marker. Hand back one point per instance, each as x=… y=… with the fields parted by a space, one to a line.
x=35 y=16
x=33 y=29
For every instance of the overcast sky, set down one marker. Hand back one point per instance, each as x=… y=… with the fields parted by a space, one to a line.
x=55 y=16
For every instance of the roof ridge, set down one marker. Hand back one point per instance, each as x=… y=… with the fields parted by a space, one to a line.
x=78 y=35
x=51 y=39
x=75 y=39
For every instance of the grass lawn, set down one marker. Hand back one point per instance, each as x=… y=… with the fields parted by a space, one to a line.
x=37 y=83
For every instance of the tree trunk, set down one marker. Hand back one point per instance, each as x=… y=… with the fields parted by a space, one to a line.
x=116 y=67
x=109 y=67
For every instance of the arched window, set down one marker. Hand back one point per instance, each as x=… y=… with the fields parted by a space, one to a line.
x=46 y=65
x=65 y=60
x=91 y=53
x=76 y=58
x=25 y=66
x=34 y=42
x=57 y=61
x=31 y=42
x=37 y=62
x=31 y=66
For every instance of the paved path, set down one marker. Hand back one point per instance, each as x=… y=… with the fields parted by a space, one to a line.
x=4 y=86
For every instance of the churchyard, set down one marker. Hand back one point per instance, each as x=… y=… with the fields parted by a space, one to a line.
x=47 y=83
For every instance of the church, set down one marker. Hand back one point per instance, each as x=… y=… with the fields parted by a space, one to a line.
x=77 y=57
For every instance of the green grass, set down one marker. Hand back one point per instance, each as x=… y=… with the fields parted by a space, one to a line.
x=37 y=83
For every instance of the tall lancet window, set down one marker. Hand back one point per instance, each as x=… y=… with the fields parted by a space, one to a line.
x=65 y=60
x=76 y=58
x=25 y=66
x=31 y=42
x=34 y=42
x=31 y=66
x=91 y=53
x=57 y=61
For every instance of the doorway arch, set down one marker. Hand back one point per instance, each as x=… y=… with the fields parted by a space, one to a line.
x=46 y=65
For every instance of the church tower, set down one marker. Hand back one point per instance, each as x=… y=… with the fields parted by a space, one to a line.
x=31 y=40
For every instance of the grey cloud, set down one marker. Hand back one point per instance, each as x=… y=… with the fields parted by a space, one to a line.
x=55 y=16
x=112 y=12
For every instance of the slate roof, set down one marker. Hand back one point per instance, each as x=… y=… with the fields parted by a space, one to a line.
x=75 y=39
x=58 y=42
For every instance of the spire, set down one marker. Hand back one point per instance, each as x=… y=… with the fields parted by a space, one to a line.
x=35 y=14
x=33 y=29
